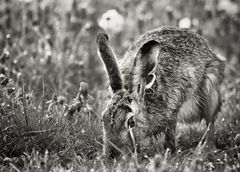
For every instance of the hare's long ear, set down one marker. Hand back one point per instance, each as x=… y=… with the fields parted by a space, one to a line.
x=143 y=70
x=108 y=57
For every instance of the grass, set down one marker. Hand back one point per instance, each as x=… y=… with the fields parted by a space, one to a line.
x=50 y=117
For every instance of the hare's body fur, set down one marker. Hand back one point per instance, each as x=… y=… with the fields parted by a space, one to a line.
x=188 y=72
x=186 y=88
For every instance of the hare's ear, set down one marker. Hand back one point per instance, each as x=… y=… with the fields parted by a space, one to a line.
x=144 y=67
x=108 y=57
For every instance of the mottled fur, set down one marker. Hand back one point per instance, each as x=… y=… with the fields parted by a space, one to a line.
x=185 y=78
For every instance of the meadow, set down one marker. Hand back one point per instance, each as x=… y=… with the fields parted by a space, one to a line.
x=53 y=87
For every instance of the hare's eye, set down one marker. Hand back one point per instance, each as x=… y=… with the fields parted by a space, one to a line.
x=131 y=122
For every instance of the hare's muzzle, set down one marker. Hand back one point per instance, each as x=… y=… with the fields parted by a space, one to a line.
x=111 y=155
x=112 y=151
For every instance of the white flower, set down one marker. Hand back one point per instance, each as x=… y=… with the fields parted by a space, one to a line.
x=185 y=23
x=111 y=21
x=228 y=6
x=26 y=1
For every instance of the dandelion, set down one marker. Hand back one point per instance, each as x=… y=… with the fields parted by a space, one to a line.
x=26 y=1
x=83 y=90
x=229 y=6
x=185 y=23
x=111 y=21
x=61 y=99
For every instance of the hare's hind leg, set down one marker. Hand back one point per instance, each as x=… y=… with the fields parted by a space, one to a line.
x=170 y=140
x=210 y=103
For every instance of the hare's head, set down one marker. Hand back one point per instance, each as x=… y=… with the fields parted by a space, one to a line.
x=126 y=127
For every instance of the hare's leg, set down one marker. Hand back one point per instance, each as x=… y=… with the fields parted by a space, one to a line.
x=210 y=103
x=213 y=108
x=170 y=138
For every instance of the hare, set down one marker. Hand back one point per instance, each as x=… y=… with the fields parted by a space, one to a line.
x=168 y=74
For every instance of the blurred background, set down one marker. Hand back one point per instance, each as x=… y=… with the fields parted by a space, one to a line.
x=54 y=41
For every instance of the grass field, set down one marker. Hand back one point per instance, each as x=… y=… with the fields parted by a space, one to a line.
x=53 y=86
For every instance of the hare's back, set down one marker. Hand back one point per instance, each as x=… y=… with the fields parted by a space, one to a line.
x=171 y=36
